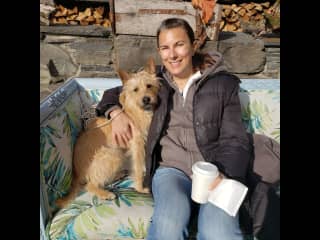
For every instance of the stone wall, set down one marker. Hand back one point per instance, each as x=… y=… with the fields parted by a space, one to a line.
x=272 y=66
x=74 y=51
x=94 y=52
x=93 y=57
x=244 y=55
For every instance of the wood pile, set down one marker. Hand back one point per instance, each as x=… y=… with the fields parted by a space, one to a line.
x=244 y=17
x=45 y=11
x=89 y=16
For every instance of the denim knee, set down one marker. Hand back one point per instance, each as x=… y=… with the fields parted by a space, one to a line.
x=167 y=228
x=172 y=205
x=215 y=224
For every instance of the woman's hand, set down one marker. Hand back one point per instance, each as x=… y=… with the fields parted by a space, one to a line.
x=216 y=182
x=121 y=128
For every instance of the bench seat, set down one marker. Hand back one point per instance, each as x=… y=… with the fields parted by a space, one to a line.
x=62 y=116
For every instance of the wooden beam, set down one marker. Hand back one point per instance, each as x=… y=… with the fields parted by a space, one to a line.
x=90 y=30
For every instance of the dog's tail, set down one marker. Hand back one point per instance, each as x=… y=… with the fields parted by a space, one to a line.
x=73 y=192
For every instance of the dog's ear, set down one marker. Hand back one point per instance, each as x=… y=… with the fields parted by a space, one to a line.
x=150 y=67
x=122 y=98
x=124 y=76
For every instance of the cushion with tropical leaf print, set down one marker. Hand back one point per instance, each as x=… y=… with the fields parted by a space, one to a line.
x=261 y=112
x=87 y=217
x=127 y=216
x=57 y=138
x=95 y=95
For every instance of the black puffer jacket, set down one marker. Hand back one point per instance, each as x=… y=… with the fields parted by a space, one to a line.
x=219 y=131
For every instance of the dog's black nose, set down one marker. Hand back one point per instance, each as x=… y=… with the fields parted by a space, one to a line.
x=146 y=100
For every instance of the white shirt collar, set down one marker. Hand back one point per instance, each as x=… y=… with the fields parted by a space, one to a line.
x=190 y=81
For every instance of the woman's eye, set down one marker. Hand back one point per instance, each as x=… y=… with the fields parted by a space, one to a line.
x=180 y=44
x=135 y=90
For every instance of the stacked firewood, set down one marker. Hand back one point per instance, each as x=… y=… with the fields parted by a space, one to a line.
x=90 y=16
x=45 y=12
x=244 y=17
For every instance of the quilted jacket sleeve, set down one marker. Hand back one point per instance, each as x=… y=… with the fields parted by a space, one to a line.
x=109 y=99
x=234 y=151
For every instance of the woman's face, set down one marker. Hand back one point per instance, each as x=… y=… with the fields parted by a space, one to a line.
x=176 y=52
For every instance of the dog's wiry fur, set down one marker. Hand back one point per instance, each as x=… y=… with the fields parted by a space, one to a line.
x=96 y=159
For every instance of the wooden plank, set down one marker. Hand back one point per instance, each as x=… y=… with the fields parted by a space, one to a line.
x=106 y=1
x=271 y=41
x=91 y=30
x=111 y=16
x=140 y=17
x=213 y=27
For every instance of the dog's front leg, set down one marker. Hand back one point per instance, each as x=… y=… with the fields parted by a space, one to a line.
x=138 y=158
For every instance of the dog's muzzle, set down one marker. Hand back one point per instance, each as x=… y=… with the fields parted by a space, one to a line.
x=147 y=104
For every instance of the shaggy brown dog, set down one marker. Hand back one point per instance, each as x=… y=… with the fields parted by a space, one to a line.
x=96 y=159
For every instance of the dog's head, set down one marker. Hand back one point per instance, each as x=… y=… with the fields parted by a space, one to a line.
x=140 y=89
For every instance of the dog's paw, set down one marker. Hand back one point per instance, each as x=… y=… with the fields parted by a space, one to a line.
x=60 y=203
x=143 y=190
x=106 y=195
x=110 y=196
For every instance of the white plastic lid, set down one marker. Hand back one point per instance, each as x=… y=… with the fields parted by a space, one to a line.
x=205 y=168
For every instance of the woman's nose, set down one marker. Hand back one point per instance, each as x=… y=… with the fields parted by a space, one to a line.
x=172 y=53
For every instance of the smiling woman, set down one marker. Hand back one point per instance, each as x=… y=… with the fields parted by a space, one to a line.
x=196 y=90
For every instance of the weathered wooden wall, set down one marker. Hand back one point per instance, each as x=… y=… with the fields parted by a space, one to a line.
x=141 y=17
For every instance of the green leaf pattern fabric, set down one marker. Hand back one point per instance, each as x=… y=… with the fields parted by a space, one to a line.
x=127 y=216
x=261 y=112
x=91 y=218
x=57 y=138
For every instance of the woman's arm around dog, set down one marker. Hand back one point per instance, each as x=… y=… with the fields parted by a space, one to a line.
x=121 y=124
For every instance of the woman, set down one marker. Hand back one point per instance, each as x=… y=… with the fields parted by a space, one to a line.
x=198 y=119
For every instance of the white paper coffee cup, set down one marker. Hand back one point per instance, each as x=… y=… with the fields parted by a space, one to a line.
x=204 y=174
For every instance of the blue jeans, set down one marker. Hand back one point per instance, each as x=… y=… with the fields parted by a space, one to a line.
x=173 y=208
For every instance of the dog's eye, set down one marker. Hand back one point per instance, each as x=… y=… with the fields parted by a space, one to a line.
x=135 y=90
x=149 y=85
